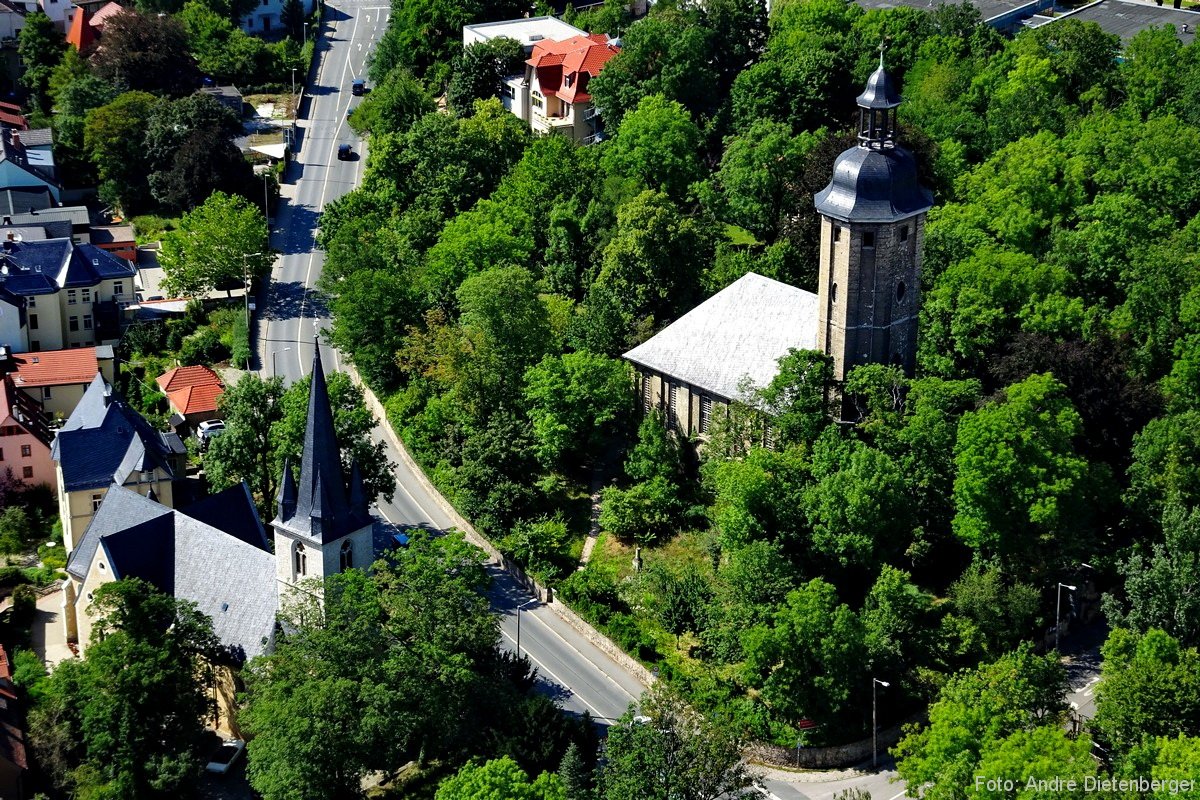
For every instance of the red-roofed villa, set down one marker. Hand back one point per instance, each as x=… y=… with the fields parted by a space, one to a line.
x=193 y=393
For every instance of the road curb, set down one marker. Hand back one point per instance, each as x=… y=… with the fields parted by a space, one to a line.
x=599 y=640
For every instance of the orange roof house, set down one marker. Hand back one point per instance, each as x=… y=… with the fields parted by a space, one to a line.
x=565 y=68
x=86 y=27
x=193 y=392
x=57 y=379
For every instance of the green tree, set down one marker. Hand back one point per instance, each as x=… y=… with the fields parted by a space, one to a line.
x=127 y=719
x=577 y=775
x=795 y=398
x=113 y=139
x=1149 y=687
x=1159 y=584
x=146 y=52
x=215 y=245
x=388 y=661
x=1044 y=753
x=976 y=711
x=645 y=512
x=499 y=779
x=575 y=402
x=72 y=104
x=658 y=144
x=245 y=451
x=393 y=105
x=478 y=70
x=40 y=47
x=811 y=659
x=1003 y=611
x=189 y=145
x=1164 y=759
x=1022 y=493
x=663 y=750
x=898 y=619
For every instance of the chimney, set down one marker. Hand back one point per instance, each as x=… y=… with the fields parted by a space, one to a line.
x=11 y=236
x=16 y=139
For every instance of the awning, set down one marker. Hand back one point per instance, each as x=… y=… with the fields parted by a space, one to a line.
x=270 y=150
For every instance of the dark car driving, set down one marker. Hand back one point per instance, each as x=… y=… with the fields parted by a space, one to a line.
x=345 y=152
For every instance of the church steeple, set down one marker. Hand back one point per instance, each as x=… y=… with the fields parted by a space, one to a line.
x=877 y=109
x=319 y=505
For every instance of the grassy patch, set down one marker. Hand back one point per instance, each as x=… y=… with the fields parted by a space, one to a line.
x=740 y=236
x=149 y=228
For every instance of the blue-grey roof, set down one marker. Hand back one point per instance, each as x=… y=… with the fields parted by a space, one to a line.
x=881 y=91
x=104 y=441
x=43 y=267
x=34 y=163
x=873 y=184
x=229 y=580
x=23 y=199
x=233 y=512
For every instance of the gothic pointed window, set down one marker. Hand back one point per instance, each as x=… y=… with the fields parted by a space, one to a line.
x=301 y=561
x=347 y=559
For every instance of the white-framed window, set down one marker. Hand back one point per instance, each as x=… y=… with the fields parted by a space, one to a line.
x=33 y=302
x=647 y=392
x=87 y=322
x=73 y=324
x=118 y=288
x=85 y=295
x=705 y=413
x=46 y=393
x=97 y=499
x=72 y=297
x=347 y=555
x=26 y=472
x=537 y=101
x=26 y=451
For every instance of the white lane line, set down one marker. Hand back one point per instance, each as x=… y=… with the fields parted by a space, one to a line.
x=416 y=502
x=897 y=797
x=560 y=681
x=603 y=672
x=333 y=143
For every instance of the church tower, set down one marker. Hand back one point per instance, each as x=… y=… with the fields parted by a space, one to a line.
x=872 y=224
x=323 y=525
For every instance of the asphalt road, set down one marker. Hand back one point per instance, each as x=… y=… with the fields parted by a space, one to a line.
x=571 y=669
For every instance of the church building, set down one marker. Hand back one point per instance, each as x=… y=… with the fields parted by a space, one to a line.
x=216 y=553
x=868 y=296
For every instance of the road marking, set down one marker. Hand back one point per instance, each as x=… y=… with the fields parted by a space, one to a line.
x=416 y=502
x=321 y=205
x=603 y=672
x=561 y=682
x=1074 y=705
x=896 y=797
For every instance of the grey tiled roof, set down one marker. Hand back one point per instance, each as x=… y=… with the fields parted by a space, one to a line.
x=104 y=440
x=37 y=137
x=20 y=199
x=740 y=332
x=233 y=512
x=44 y=267
x=229 y=580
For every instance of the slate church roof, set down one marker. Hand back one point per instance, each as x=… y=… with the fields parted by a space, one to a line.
x=104 y=441
x=324 y=506
x=226 y=573
x=740 y=332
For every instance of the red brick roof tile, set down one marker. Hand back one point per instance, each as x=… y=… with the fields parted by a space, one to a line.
x=192 y=390
x=56 y=367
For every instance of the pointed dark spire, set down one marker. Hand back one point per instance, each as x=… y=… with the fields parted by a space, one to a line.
x=319 y=508
x=150 y=495
x=286 y=501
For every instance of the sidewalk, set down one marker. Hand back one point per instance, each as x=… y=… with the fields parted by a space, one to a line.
x=49 y=640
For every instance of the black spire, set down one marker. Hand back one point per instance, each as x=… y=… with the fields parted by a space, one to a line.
x=319 y=507
x=287 y=490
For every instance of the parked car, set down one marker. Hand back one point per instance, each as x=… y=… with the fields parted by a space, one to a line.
x=345 y=152
x=206 y=430
x=223 y=759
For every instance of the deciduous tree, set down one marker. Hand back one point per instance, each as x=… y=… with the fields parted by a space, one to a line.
x=216 y=245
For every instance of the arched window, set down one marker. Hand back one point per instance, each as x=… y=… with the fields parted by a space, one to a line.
x=833 y=293
x=301 y=561
x=347 y=555
x=901 y=290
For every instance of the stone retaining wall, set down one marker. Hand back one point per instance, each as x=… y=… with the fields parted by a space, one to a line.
x=835 y=757
x=542 y=593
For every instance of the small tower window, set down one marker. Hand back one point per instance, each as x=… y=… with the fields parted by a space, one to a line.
x=301 y=561
x=833 y=293
x=868 y=239
x=901 y=290
x=837 y=233
x=904 y=234
x=347 y=559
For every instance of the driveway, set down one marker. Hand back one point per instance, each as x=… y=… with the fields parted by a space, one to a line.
x=49 y=639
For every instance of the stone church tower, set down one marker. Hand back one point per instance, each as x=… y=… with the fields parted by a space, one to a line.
x=872 y=223
x=323 y=525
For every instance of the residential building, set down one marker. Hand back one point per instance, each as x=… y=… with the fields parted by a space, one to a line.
x=12 y=20
x=267 y=17
x=59 y=12
x=1127 y=19
x=70 y=295
x=10 y=113
x=56 y=379
x=25 y=439
x=24 y=199
x=228 y=96
x=119 y=240
x=193 y=394
x=528 y=31
x=27 y=159
x=61 y=222
x=872 y=217
x=213 y=554
x=553 y=96
x=86 y=23
x=106 y=443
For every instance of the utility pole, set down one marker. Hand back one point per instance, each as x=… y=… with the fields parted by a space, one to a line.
x=1058 y=611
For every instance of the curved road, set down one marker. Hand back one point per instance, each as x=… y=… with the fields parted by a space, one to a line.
x=572 y=670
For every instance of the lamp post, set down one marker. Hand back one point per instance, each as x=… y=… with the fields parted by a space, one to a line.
x=274 y=371
x=293 y=84
x=1058 y=611
x=874 y=723
x=519 y=609
x=246 y=294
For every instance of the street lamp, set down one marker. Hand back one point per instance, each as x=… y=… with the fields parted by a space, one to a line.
x=1058 y=611
x=293 y=86
x=274 y=371
x=874 y=723
x=519 y=609
x=246 y=294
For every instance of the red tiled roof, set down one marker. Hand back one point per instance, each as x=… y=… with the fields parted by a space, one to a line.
x=192 y=390
x=104 y=13
x=55 y=367
x=579 y=58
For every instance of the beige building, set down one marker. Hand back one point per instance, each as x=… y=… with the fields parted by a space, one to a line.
x=65 y=295
x=57 y=379
x=868 y=296
x=105 y=443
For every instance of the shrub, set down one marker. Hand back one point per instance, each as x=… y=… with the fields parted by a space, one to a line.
x=145 y=336
x=592 y=593
x=203 y=347
x=53 y=556
x=24 y=606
